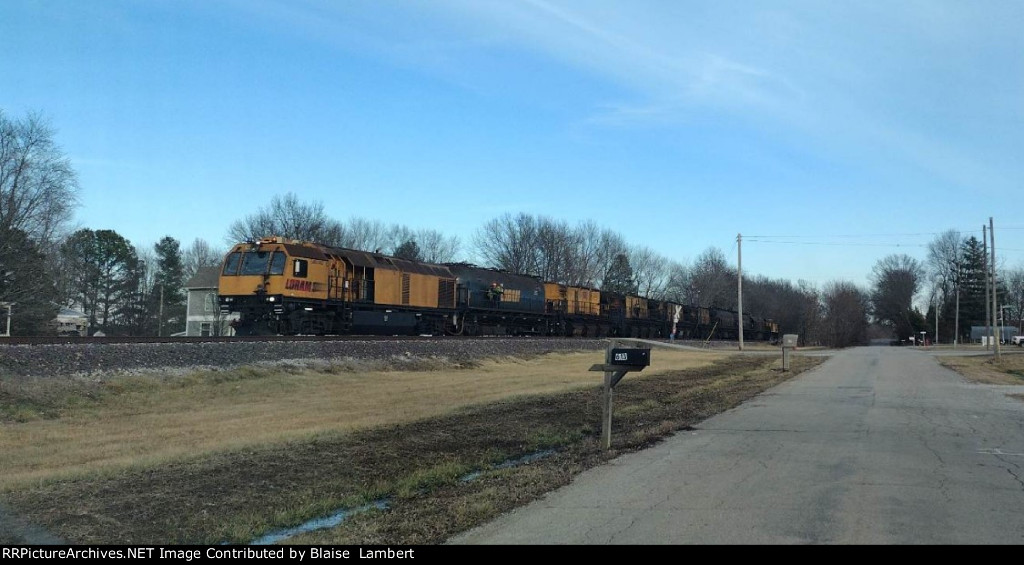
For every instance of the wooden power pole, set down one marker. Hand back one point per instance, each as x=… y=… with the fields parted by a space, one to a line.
x=739 y=284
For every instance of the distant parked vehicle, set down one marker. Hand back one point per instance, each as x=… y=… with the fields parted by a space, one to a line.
x=1018 y=340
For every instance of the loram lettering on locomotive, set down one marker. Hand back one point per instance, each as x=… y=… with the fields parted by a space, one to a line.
x=295 y=284
x=283 y=286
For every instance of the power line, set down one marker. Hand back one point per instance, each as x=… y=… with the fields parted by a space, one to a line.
x=850 y=244
x=860 y=235
x=868 y=235
x=836 y=244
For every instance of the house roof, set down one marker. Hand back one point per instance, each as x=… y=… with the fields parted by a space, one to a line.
x=69 y=313
x=205 y=277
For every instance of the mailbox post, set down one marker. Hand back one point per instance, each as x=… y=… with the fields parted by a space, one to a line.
x=617 y=362
x=788 y=343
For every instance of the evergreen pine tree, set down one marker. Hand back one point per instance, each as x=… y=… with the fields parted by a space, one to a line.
x=619 y=277
x=170 y=279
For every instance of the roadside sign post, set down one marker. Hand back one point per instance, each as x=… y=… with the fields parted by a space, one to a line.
x=789 y=342
x=617 y=362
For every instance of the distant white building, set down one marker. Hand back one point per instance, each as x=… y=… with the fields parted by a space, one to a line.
x=70 y=323
x=202 y=314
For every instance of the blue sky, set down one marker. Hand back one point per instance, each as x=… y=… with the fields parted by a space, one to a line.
x=858 y=128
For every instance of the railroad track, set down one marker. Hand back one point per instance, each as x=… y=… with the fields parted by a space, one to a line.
x=52 y=340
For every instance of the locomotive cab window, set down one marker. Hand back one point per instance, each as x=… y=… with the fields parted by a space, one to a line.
x=300 y=268
x=231 y=263
x=255 y=263
x=277 y=263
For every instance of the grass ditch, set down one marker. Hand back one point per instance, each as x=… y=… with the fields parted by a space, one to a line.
x=238 y=494
x=1008 y=370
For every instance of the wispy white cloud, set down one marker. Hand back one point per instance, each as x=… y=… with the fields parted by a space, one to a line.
x=837 y=76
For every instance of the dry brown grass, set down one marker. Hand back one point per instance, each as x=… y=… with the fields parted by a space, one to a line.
x=147 y=420
x=238 y=494
x=1009 y=370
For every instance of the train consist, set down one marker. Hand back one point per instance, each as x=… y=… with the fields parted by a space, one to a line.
x=279 y=286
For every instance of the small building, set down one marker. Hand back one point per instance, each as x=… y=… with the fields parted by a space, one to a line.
x=977 y=332
x=202 y=315
x=70 y=323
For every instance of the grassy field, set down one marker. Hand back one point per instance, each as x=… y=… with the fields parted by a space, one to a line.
x=71 y=427
x=229 y=455
x=1009 y=370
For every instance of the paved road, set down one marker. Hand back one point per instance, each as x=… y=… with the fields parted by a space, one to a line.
x=878 y=445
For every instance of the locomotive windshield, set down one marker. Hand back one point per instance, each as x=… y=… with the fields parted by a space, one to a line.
x=277 y=263
x=231 y=263
x=255 y=263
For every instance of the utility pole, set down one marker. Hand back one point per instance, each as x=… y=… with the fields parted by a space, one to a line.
x=995 y=308
x=739 y=283
x=956 y=323
x=936 y=319
x=160 y=321
x=984 y=262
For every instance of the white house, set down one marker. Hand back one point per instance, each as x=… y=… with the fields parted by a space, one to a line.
x=202 y=315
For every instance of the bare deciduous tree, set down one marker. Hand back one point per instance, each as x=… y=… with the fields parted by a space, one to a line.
x=712 y=279
x=810 y=312
x=38 y=191
x=650 y=271
x=944 y=256
x=367 y=235
x=509 y=242
x=1014 y=280
x=555 y=250
x=38 y=187
x=678 y=287
x=585 y=269
x=896 y=278
x=844 y=310
x=198 y=255
x=944 y=263
x=611 y=245
x=435 y=247
x=287 y=217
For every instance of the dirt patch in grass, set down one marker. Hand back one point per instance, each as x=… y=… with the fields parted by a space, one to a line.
x=420 y=466
x=1009 y=370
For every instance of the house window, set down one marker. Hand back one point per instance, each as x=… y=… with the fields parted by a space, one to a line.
x=205 y=328
x=210 y=304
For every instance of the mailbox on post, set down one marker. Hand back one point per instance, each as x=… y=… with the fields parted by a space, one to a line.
x=618 y=362
x=789 y=341
x=631 y=357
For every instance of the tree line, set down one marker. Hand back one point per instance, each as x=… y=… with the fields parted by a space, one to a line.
x=131 y=290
